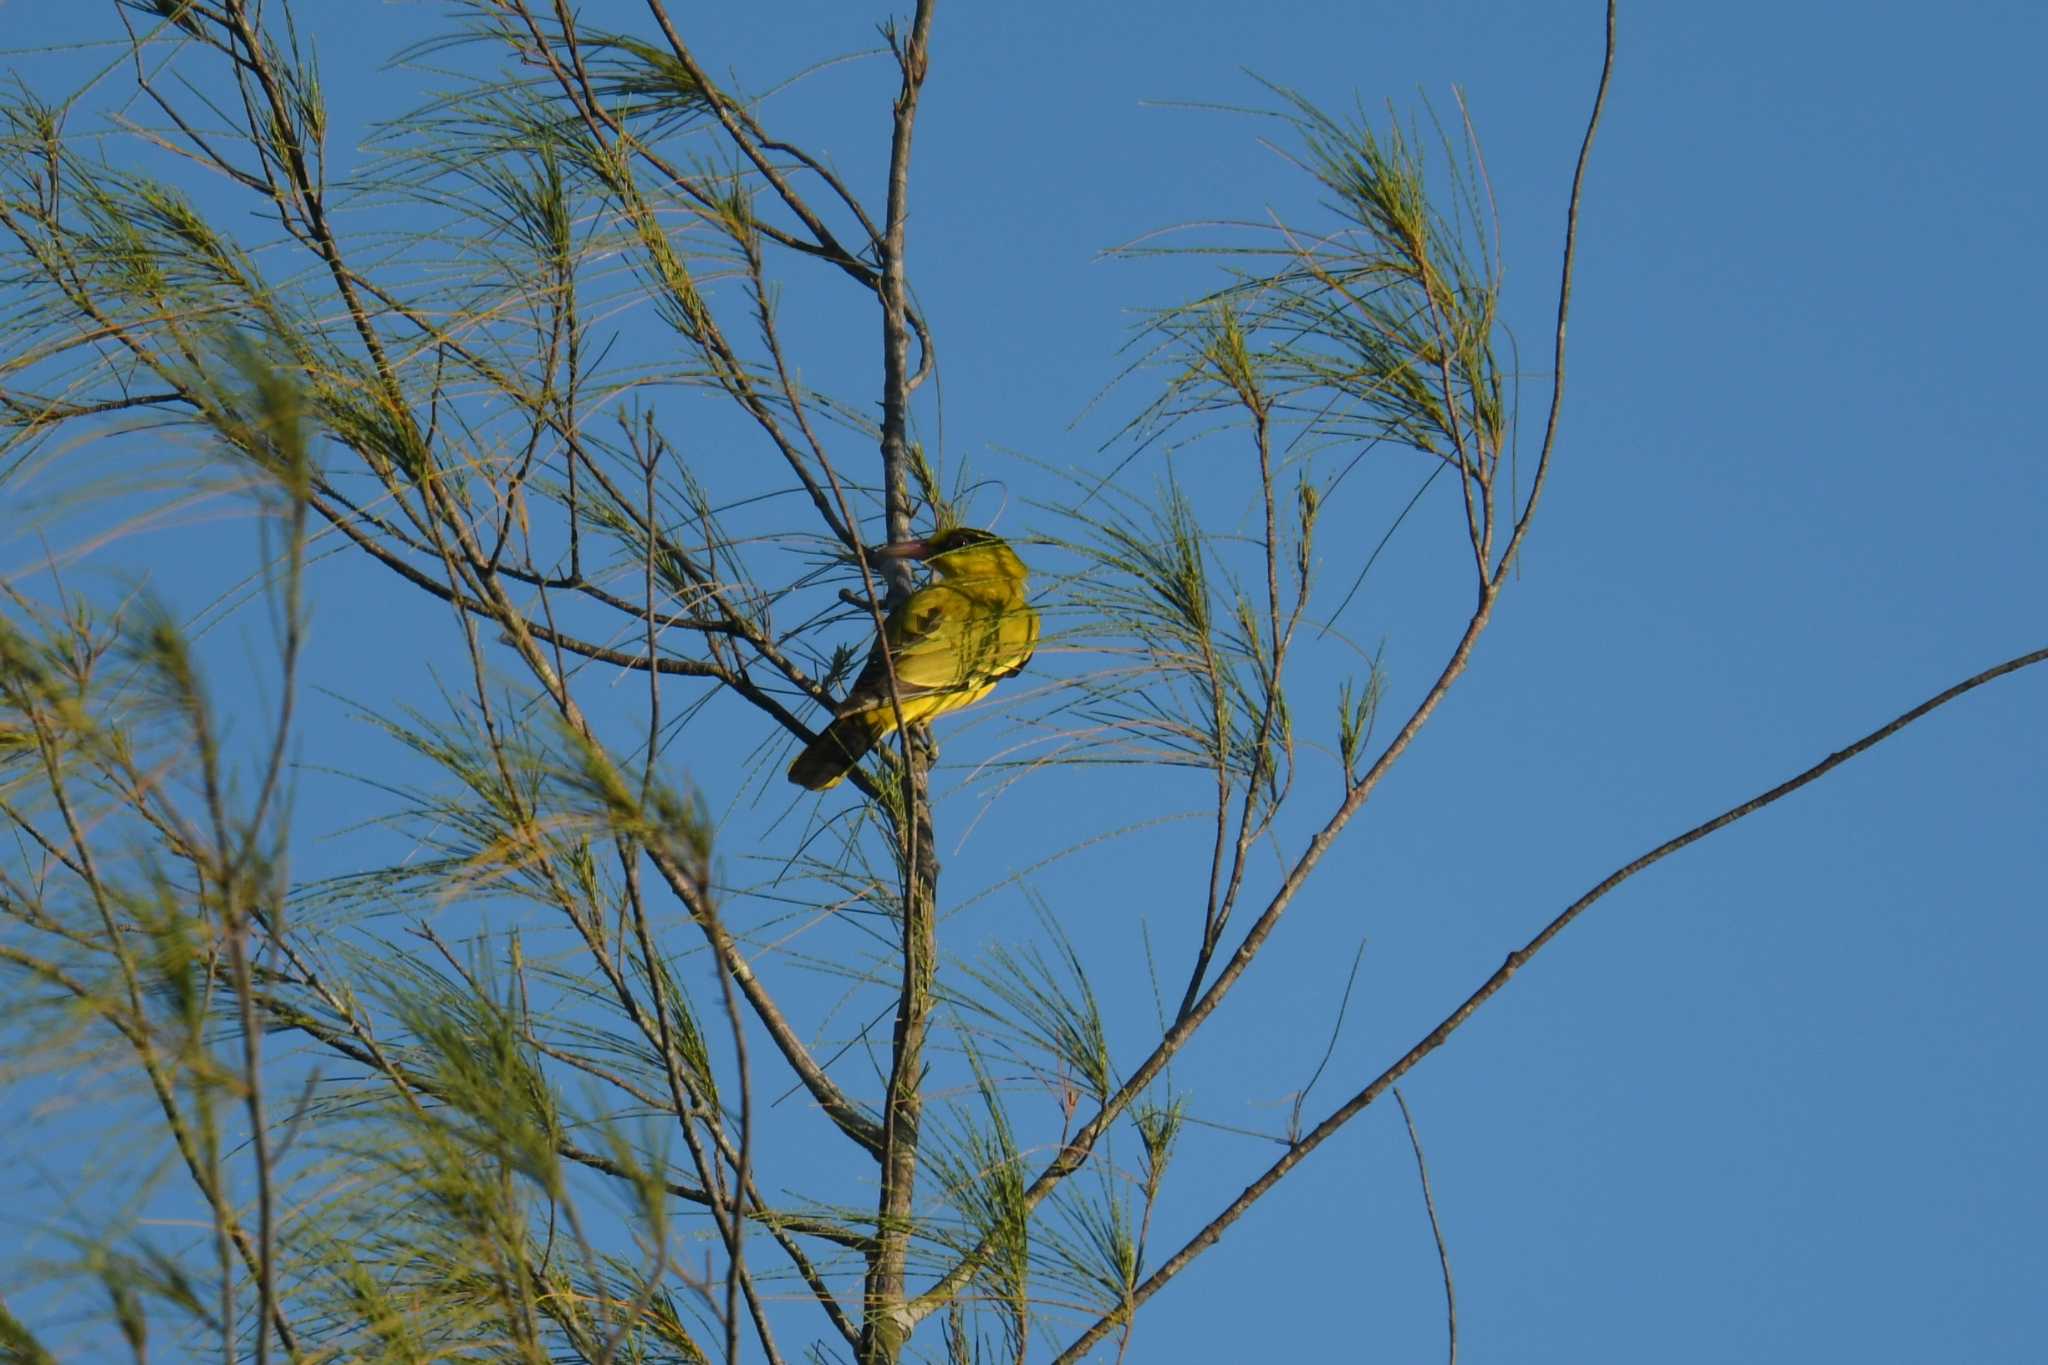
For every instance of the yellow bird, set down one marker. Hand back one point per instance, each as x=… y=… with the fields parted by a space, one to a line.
x=951 y=642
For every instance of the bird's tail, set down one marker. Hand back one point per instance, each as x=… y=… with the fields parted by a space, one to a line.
x=832 y=754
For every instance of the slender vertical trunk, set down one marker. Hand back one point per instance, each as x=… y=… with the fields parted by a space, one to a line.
x=885 y=1328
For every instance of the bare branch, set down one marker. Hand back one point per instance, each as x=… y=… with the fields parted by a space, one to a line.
x=1564 y=302
x=1436 y=1230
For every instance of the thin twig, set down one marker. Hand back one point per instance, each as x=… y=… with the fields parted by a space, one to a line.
x=1564 y=303
x=1436 y=1228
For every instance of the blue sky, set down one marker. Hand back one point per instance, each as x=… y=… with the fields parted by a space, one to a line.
x=1778 y=1099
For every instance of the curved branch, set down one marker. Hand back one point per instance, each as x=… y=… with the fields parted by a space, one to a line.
x=1564 y=302
x=1078 y=1148
x=1436 y=1228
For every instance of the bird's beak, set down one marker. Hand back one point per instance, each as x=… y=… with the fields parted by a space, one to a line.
x=902 y=549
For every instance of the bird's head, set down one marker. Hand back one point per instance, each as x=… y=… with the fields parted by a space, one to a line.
x=960 y=552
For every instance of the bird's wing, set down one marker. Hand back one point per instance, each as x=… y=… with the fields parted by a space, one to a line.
x=1022 y=623
x=943 y=649
x=924 y=635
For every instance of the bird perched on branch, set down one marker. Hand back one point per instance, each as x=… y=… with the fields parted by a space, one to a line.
x=947 y=645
